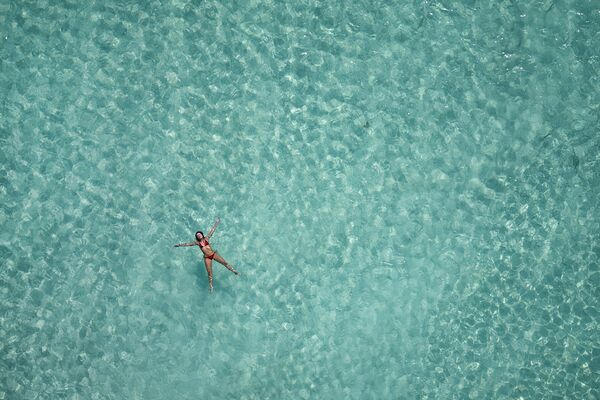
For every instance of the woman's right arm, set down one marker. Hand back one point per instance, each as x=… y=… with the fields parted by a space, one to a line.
x=185 y=244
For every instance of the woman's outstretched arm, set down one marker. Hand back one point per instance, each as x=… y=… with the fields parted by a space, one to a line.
x=185 y=244
x=212 y=230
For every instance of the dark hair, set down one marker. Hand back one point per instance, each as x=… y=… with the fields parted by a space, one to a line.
x=199 y=232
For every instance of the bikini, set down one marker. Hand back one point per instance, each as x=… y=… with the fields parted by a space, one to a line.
x=210 y=257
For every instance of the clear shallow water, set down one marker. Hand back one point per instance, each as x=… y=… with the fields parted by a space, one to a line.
x=410 y=192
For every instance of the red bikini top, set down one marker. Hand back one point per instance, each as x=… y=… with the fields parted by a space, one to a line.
x=205 y=243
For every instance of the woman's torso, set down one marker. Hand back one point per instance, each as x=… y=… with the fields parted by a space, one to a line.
x=205 y=247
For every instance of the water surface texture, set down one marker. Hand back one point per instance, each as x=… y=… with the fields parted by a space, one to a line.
x=409 y=189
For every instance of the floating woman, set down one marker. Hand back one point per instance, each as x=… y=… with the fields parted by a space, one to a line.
x=209 y=253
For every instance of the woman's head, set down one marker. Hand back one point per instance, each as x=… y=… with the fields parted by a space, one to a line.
x=199 y=236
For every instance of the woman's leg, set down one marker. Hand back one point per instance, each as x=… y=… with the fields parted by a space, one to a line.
x=208 y=265
x=225 y=263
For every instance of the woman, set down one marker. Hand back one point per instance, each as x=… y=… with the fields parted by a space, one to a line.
x=209 y=253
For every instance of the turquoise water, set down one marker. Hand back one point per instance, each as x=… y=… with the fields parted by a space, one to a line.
x=410 y=191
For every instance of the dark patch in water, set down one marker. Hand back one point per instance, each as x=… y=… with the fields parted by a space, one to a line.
x=575 y=160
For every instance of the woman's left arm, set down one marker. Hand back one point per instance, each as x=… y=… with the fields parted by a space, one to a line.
x=212 y=230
